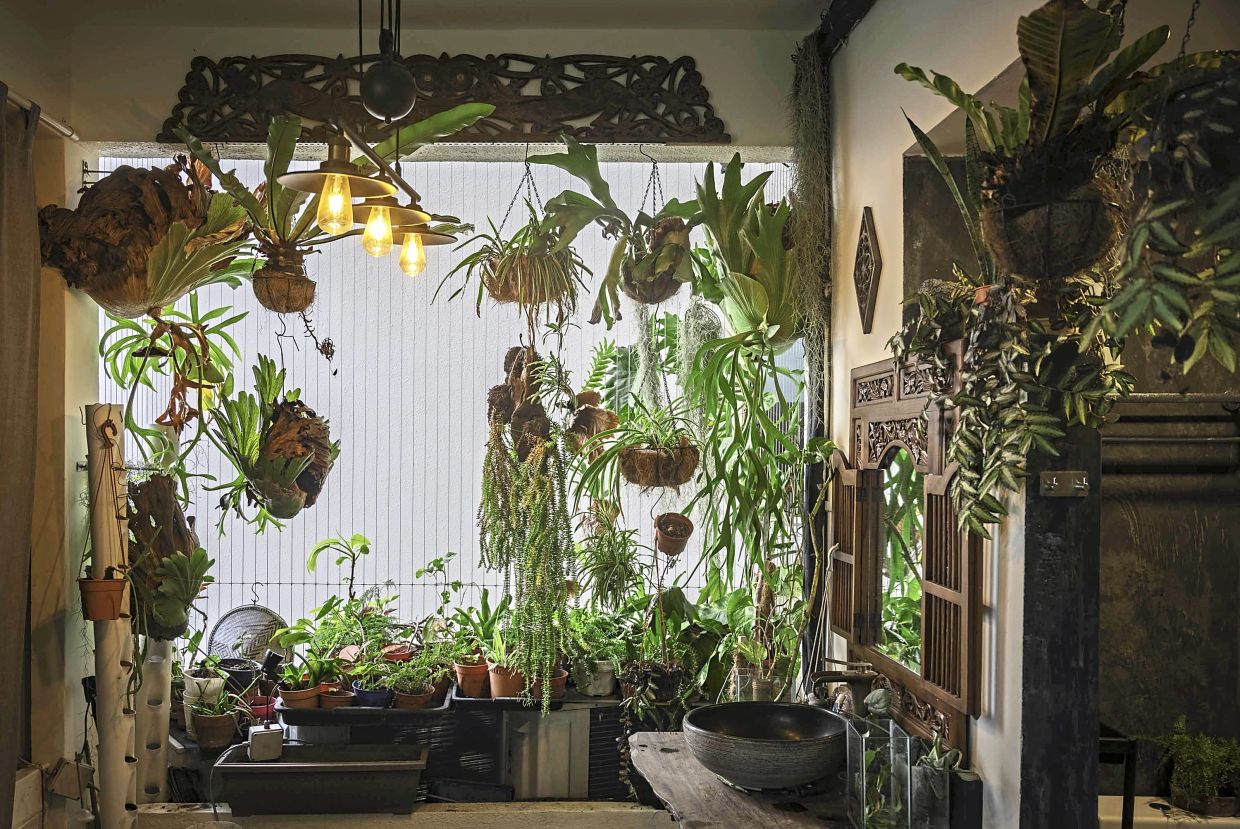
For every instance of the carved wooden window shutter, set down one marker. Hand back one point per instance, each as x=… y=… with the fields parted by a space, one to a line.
x=951 y=600
x=844 y=589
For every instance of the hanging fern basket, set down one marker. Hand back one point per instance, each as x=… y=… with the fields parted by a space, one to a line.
x=1052 y=240
x=531 y=279
x=281 y=284
x=659 y=467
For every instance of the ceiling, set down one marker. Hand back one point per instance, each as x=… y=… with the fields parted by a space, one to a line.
x=799 y=15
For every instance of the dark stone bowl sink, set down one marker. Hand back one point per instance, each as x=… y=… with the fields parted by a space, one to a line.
x=766 y=745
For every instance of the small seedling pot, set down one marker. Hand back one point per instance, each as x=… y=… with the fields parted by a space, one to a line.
x=263 y=709
x=671 y=533
x=472 y=680
x=300 y=697
x=413 y=702
x=102 y=599
x=378 y=698
x=337 y=698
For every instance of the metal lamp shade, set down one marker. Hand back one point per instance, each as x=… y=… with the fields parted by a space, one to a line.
x=429 y=237
x=398 y=214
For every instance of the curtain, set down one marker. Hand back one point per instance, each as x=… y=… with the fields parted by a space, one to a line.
x=19 y=356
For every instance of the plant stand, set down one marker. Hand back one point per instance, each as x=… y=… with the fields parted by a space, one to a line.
x=153 y=714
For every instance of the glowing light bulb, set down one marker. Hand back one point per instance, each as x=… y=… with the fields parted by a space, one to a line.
x=336 y=205
x=377 y=237
x=412 y=255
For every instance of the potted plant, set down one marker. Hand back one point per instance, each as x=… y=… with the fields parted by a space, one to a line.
x=651 y=448
x=651 y=258
x=609 y=562
x=932 y=783
x=1205 y=771
x=302 y=679
x=671 y=533
x=282 y=451
x=507 y=680
x=370 y=676
x=595 y=647
x=103 y=599
x=413 y=681
x=476 y=627
x=215 y=721
x=529 y=269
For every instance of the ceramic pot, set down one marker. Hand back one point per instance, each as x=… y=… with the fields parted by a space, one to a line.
x=102 y=599
x=558 y=683
x=241 y=673
x=506 y=682
x=377 y=698
x=601 y=684
x=300 y=697
x=471 y=680
x=214 y=732
x=414 y=702
x=204 y=688
x=397 y=653
x=336 y=699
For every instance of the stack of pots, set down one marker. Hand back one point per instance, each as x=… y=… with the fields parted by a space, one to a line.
x=207 y=689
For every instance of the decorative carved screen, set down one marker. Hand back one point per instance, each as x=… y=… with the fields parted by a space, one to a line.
x=591 y=97
x=939 y=691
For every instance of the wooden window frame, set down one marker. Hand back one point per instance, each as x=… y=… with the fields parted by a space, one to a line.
x=889 y=410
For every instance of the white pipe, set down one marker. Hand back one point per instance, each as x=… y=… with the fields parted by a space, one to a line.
x=109 y=536
x=153 y=715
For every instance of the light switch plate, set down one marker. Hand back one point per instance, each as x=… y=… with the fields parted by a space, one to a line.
x=1063 y=483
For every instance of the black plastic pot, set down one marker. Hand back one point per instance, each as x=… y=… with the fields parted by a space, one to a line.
x=241 y=673
x=324 y=779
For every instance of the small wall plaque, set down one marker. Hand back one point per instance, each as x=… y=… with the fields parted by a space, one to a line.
x=866 y=270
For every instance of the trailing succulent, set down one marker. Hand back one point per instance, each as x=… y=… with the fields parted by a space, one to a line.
x=651 y=258
x=281 y=449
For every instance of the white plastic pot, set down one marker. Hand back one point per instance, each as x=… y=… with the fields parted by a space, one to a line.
x=603 y=683
x=207 y=689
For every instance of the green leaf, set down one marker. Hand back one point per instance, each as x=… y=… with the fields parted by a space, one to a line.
x=581 y=161
x=1129 y=59
x=972 y=107
x=967 y=213
x=282 y=137
x=440 y=125
x=229 y=181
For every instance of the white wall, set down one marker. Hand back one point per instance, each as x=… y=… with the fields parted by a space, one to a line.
x=33 y=52
x=972 y=41
x=125 y=79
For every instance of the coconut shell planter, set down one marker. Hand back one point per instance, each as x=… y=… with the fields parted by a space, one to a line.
x=663 y=467
x=281 y=284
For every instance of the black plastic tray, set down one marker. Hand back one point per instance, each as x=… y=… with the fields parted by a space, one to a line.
x=359 y=714
x=501 y=703
x=333 y=779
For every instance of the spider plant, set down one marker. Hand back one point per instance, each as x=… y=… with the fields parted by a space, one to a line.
x=528 y=268
x=610 y=565
x=652 y=447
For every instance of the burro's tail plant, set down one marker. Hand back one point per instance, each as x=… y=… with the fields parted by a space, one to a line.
x=651 y=258
x=281 y=449
x=751 y=242
x=1047 y=212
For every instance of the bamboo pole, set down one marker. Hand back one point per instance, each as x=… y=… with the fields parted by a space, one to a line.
x=109 y=534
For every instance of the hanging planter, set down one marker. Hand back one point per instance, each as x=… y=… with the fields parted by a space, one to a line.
x=102 y=599
x=659 y=466
x=141 y=239
x=281 y=284
x=1049 y=241
x=281 y=449
x=671 y=533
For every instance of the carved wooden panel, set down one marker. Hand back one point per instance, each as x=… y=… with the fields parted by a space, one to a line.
x=908 y=431
x=867 y=267
x=844 y=503
x=874 y=390
x=591 y=97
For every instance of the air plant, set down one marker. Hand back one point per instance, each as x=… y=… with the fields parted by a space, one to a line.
x=281 y=449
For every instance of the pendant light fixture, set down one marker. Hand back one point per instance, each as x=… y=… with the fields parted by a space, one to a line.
x=388 y=89
x=412 y=255
x=337 y=181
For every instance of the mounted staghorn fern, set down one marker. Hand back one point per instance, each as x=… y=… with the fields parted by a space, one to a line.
x=281 y=450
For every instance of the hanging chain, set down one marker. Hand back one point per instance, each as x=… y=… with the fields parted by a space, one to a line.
x=526 y=184
x=1188 y=28
x=654 y=186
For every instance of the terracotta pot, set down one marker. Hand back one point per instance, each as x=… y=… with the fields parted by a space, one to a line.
x=671 y=533
x=397 y=653
x=300 y=698
x=263 y=709
x=557 y=683
x=413 y=702
x=471 y=680
x=214 y=732
x=102 y=599
x=336 y=699
x=325 y=687
x=441 y=690
x=506 y=682
x=981 y=293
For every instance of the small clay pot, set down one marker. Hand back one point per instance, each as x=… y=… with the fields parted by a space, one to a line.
x=671 y=533
x=506 y=682
x=336 y=699
x=262 y=709
x=215 y=731
x=471 y=680
x=415 y=702
x=102 y=599
x=981 y=293
x=557 y=683
x=397 y=653
x=300 y=697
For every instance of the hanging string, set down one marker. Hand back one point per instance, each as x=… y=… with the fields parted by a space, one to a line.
x=1188 y=27
x=526 y=185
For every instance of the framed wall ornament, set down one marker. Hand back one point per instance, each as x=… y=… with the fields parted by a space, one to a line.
x=594 y=98
x=866 y=269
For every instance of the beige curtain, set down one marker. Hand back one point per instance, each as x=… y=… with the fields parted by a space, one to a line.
x=19 y=355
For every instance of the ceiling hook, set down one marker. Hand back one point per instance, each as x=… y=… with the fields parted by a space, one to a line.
x=254 y=591
x=641 y=148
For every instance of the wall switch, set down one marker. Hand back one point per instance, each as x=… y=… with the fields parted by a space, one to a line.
x=266 y=741
x=1063 y=484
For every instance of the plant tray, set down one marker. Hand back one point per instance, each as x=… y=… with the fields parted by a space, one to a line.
x=358 y=714
x=323 y=779
x=500 y=703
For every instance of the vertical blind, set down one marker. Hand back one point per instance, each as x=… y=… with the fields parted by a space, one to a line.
x=405 y=395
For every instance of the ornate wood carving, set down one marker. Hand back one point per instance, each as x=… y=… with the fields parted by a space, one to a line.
x=914 y=382
x=920 y=716
x=911 y=431
x=591 y=97
x=871 y=391
x=866 y=270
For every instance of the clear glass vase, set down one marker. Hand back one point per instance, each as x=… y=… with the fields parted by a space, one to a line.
x=879 y=783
